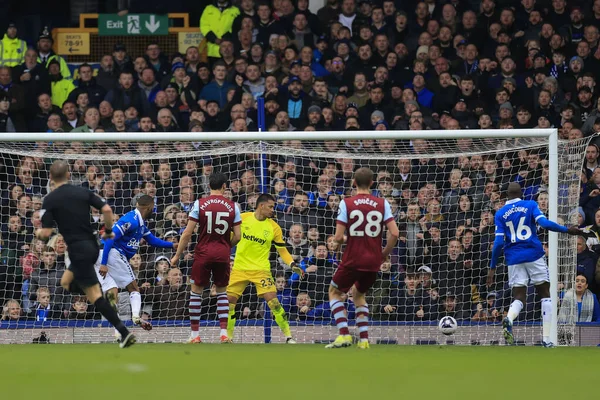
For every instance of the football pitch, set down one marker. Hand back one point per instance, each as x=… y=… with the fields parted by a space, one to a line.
x=308 y=372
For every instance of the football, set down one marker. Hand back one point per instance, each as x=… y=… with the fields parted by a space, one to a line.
x=448 y=325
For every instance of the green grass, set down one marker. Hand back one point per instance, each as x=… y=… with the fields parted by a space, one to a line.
x=308 y=372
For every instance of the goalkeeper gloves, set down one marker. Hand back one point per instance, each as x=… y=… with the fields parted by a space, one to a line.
x=297 y=270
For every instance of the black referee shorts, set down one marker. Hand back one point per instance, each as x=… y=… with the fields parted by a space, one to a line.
x=83 y=256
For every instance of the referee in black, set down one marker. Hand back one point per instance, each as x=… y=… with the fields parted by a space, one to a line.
x=69 y=207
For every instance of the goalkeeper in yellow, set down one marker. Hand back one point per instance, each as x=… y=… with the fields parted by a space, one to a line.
x=251 y=264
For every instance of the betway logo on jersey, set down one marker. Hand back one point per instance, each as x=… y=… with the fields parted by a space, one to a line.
x=514 y=210
x=368 y=202
x=216 y=201
x=253 y=238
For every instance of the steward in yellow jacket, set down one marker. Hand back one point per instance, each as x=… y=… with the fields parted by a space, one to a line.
x=216 y=23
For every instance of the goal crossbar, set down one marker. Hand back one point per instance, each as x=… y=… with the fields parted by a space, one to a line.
x=276 y=136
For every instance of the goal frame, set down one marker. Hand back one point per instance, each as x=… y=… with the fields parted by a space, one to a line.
x=550 y=134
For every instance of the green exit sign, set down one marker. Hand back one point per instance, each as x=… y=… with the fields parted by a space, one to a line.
x=133 y=24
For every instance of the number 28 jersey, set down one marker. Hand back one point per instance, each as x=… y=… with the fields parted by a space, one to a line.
x=216 y=216
x=364 y=216
x=516 y=222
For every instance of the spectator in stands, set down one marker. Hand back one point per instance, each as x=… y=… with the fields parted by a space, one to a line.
x=60 y=87
x=127 y=95
x=46 y=54
x=302 y=307
x=169 y=300
x=11 y=311
x=284 y=294
x=218 y=88
x=43 y=309
x=47 y=275
x=33 y=77
x=91 y=119
x=216 y=24
x=588 y=308
x=408 y=303
x=16 y=94
x=6 y=123
x=87 y=83
x=299 y=213
x=586 y=263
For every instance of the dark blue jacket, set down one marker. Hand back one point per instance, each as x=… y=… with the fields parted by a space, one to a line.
x=213 y=91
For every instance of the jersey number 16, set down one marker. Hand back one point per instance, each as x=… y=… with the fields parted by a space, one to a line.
x=523 y=231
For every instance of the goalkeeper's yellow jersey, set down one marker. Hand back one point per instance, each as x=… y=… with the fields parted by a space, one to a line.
x=252 y=252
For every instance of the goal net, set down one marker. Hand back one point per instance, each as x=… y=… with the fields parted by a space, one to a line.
x=443 y=193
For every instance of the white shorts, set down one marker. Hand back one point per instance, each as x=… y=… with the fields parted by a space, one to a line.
x=119 y=274
x=535 y=272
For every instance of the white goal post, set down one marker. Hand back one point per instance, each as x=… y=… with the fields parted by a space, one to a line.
x=548 y=138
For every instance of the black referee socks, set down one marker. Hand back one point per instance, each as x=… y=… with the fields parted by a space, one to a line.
x=103 y=306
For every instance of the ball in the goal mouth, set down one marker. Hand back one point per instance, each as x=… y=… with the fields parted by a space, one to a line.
x=448 y=325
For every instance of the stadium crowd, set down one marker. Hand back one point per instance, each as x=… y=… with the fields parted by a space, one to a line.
x=375 y=65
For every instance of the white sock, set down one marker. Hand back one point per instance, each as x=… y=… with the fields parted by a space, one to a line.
x=514 y=310
x=195 y=334
x=136 y=304
x=546 y=319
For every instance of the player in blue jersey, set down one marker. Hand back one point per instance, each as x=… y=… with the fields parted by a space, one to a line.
x=524 y=256
x=112 y=267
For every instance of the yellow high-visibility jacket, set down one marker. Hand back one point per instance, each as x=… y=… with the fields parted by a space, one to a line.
x=64 y=68
x=217 y=23
x=12 y=51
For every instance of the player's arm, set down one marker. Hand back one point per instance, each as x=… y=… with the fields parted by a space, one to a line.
x=283 y=251
x=95 y=201
x=545 y=223
x=122 y=226
x=496 y=249
x=341 y=222
x=237 y=227
x=47 y=228
x=186 y=236
x=156 y=242
x=392 y=230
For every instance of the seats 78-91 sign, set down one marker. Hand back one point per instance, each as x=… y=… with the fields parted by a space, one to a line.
x=132 y=24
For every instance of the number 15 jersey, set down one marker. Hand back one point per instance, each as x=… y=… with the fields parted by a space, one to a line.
x=517 y=223
x=364 y=216
x=216 y=217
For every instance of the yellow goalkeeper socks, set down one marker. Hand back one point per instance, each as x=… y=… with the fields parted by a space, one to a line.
x=280 y=317
x=231 y=321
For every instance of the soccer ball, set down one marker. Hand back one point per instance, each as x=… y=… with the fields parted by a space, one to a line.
x=448 y=325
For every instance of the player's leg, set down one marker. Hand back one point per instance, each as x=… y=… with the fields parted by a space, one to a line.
x=94 y=295
x=340 y=284
x=281 y=318
x=195 y=309
x=84 y=275
x=518 y=278
x=200 y=278
x=237 y=284
x=121 y=272
x=540 y=277
x=67 y=282
x=359 y=292
x=543 y=292
x=135 y=299
x=220 y=276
